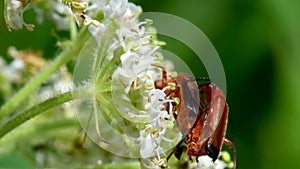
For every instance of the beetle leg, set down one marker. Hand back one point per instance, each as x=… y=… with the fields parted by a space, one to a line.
x=231 y=145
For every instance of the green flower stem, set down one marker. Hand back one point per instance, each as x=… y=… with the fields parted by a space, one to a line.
x=108 y=107
x=28 y=131
x=64 y=57
x=110 y=66
x=18 y=119
x=105 y=44
x=5 y=15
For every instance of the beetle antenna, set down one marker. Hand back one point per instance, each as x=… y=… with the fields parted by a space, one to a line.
x=231 y=145
x=164 y=72
x=159 y=66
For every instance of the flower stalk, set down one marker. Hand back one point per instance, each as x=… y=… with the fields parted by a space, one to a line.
x=19 y=119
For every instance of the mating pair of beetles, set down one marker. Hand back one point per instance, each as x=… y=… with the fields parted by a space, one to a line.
x=207 y=104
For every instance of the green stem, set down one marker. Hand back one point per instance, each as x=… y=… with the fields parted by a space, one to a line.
x=48 y=126
x=103 y=51
x=108 y=107
x=63 y=58
x=18 y=119
x=5 y=15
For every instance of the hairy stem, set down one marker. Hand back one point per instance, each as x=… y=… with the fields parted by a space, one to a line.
x=28 y=131
x=18 y=119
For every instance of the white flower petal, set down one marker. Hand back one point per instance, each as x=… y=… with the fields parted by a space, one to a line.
x=147 y=147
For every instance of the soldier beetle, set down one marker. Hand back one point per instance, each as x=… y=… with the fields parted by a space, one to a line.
x=202 y=116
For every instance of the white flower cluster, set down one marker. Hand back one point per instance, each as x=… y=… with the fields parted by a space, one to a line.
x=114 y=8
x=160 y=121
x=137 y=73
x=205 y=162
x=135 y=68
x=132 y=36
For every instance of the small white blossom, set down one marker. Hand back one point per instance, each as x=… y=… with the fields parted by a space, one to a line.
x=159 y=116
x=14 y=17
x=14 y=14
x=112 y=8
x=205 y=162
x=148 y=144
x=60 y=15
x=14 y=70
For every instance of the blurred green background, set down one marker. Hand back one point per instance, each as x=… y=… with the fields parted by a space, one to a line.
x=259 y=44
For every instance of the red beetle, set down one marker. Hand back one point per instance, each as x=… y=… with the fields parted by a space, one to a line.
x=186 y=89
x=202 y=116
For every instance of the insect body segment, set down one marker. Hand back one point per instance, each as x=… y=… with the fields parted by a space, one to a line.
x=186 y=89
x=206 y=138
x=202 y=116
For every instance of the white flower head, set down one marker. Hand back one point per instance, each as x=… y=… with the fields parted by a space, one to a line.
x=137 y=73
x=132 y=55
x=205 y=162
